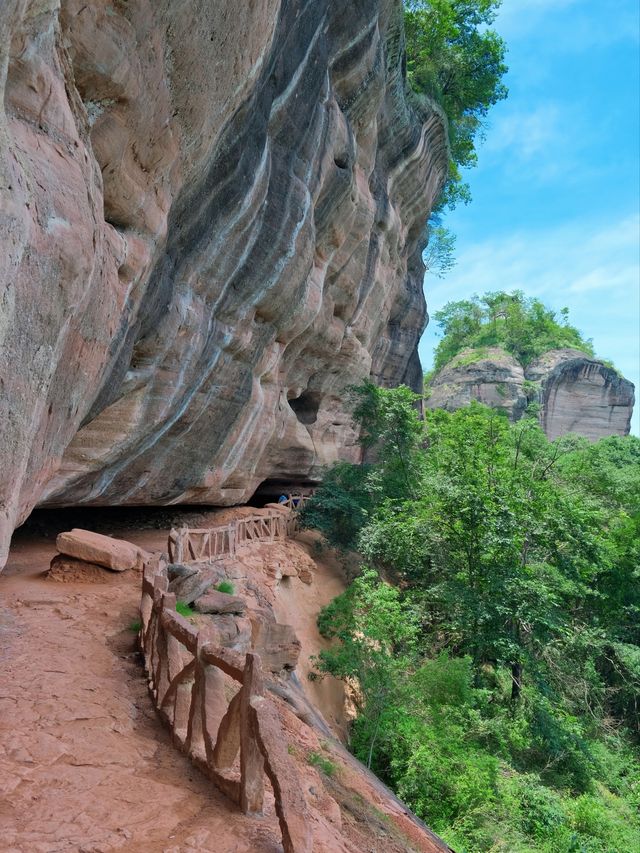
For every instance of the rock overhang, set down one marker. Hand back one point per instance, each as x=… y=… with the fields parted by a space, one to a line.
x=248 y=237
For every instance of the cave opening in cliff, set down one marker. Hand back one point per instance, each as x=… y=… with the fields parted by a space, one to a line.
x=119 y=521
x=306 y=406
x=273 y=487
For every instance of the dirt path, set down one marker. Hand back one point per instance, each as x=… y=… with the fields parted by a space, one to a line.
x=85 y=765
x=298 y=605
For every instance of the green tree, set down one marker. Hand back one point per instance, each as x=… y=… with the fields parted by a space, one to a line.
x=478 y=542
x=496 y=668
x=340 y=509
x=376 y=637
x=457 y=59
x=522 y=326
x=438 y=257
x=390 y=434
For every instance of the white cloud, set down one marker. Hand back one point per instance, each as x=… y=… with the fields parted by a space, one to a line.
x=569 y=259
x=542 y=143
x=527 y=133
x=601 y=277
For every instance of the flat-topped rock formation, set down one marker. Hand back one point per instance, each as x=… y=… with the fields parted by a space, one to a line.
x=576 y=393
x=580 y=394
x=490 y=376
x=212 y=224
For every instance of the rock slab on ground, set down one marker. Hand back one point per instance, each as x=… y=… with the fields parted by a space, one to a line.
x=231 y=631
x=188 y=587
x=220 y=602
x=114 y=554
x=64 y=569
x=277 y=645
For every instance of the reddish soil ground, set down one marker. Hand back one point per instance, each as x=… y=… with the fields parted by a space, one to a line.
x=86 y=765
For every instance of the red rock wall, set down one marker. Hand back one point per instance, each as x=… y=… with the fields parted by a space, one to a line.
x=204 y=215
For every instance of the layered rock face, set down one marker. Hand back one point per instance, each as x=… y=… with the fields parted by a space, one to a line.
x=211 y=223
x=582 y=395
x=576 y=393
x=490 y=376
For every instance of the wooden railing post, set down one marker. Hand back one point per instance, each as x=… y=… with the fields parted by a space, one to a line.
x=161 y=675
x=160 y=584
x=194 y=743
x=214 y=703
x=251 y=758
x=195 y=545
x=187 y=682
x=177 y=542
x=171 y=545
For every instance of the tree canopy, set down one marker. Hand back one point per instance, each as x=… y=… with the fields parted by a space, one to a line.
x=493 y=631
x=523 y=326
x=455 y=57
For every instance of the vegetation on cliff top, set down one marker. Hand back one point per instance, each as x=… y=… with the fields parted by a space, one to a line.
x=522 y=326
x=494 y=631
x=455 y=57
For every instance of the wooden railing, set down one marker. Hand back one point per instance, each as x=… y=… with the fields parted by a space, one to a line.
x=295 y=501
x=186 y=679
x=196 y=545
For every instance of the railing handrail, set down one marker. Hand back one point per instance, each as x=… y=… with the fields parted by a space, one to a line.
x=214 y=544
x=190 y=698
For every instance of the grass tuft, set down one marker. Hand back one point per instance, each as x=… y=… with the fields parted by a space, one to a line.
x=321 y=763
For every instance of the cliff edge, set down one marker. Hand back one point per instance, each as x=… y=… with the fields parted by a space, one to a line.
x=581 y=394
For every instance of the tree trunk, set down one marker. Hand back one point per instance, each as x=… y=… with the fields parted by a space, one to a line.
x=516 y=680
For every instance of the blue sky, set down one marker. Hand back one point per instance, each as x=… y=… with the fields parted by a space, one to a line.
x=556 y=209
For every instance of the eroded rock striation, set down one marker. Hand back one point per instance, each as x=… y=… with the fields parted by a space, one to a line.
x=581 y=394
x=211 y=223
x=576 y=393
x=490 y=376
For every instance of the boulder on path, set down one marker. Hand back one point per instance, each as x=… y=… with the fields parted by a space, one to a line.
x=277 y=645
x=189 y=587
x=65 y=569
x=232 y=632
x=115 y=554
x=179 y=570
x=220 y=602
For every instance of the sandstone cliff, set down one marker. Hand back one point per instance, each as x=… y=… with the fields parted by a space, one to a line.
x=576 y=393
x=211 y=222
x=490 y=376
x=581 y=394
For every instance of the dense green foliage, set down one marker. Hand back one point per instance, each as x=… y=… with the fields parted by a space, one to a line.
x=522 y=326
x=458 y=60
x=439 y=256
x=493 y=633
